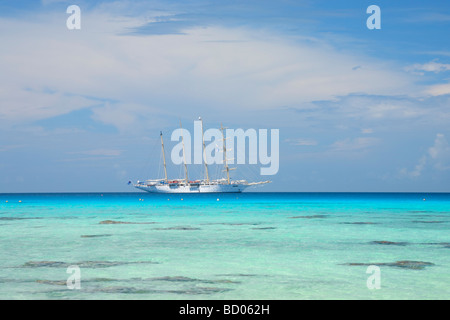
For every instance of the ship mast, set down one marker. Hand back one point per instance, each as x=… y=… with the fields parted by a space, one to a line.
x=204 y=153
x=227 y=169
x=184 y=154
x=164 y=156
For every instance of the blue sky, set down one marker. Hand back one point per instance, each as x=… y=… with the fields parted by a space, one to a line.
x=357 y=109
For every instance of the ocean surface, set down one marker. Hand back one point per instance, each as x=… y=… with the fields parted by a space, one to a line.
x=225 y=246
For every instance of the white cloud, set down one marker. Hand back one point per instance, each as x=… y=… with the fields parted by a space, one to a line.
x=18 y=105
x=375 y=112
x=440 y=152
x=437 y=156
x=129 y=117
x=367 y=131
x=439 y=89
x=7 y=148
x=392 y=109
x=417 y=171
x=302 y=142
x=356 y=144
x=431 y=66
x=211 y=68
x=49 y=2
x=100 y=152
x=92 y=155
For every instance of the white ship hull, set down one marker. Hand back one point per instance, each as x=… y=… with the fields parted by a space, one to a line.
x=222 y=188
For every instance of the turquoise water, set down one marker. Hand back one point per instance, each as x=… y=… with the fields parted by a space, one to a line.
x=225 y=246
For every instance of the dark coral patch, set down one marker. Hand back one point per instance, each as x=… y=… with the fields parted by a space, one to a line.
x=123 y=222
x=390 y=243
x=404 y=264
x=359 y=223
x=315 y=216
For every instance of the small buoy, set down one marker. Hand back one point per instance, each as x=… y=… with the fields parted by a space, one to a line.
x=20 y=200
x=424 y=199
x=217 y=199
x=6 y=200
x=181 y=199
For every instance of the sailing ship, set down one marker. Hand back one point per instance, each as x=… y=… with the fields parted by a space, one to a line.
x=207 y=185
